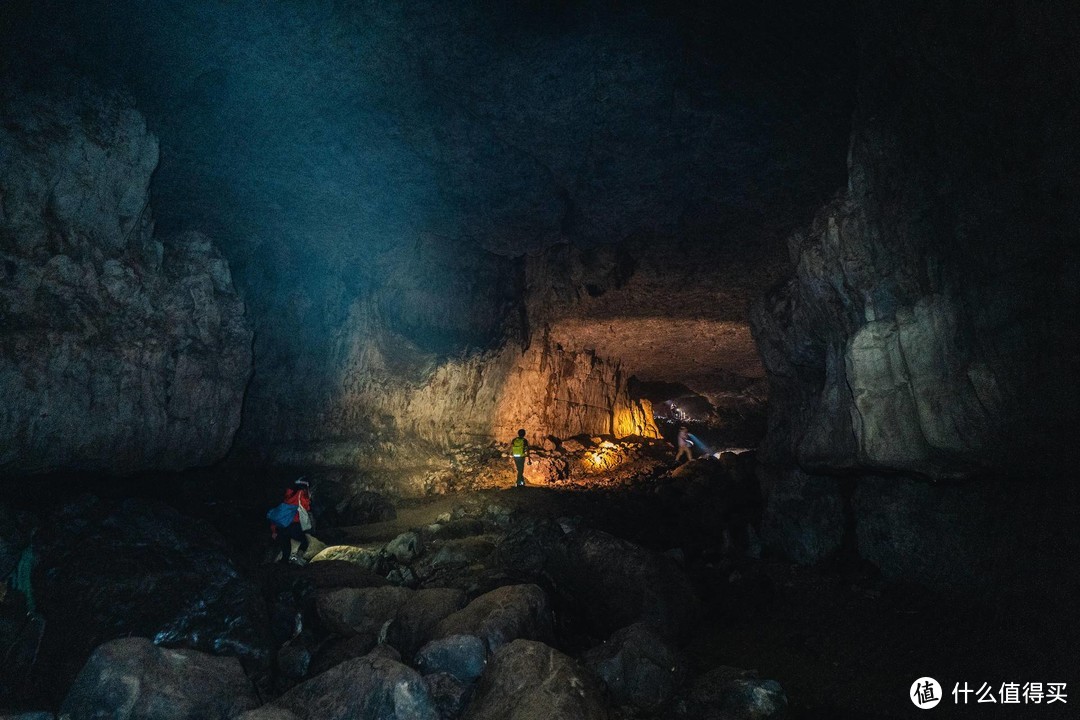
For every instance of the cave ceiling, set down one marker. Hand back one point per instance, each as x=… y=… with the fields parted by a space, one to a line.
x=314 y=140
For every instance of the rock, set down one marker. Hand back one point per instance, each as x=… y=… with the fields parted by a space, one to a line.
x=462 y=656
x=365 y=558
x=113 y=569
x=528 y=680
x=363 y=612
x=40 y=715
x=121 y=351
x=418 y=616
x=615 y=583
x=902 y=345
x=367 y=687
x=450 y=694
x=294 y=659
x=527 y=547
x=458 y=553
x=447 y=529
x=337 y=650
x=754 y=700
x=268 y=713
x=640 y=667
x=133 y=679
x=324 y=574
x=405 y=547
x=804 y=518
x=502 y=615
x=727 y=693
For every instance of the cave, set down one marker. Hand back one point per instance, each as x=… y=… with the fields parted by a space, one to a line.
x=678 y=360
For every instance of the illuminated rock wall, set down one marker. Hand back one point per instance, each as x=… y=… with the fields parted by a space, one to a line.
x=921 y=337
x=119 y=350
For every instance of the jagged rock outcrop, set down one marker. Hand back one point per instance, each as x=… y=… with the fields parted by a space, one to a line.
x=922 y=332
x=119 y=351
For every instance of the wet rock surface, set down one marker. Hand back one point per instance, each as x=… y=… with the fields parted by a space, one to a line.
x=121 y=350
x=132 y=679
x=109 y=569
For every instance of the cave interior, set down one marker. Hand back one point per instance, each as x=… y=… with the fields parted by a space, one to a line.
x=348 y=250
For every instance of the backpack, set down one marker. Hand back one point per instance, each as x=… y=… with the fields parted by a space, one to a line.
x=282 y=515
x=517 y=447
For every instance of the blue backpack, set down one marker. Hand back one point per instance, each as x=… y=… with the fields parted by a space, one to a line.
x=282 y=515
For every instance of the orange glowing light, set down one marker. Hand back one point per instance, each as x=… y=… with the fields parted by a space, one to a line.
x=605 y=457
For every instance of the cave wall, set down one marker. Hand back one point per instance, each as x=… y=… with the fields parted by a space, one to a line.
x=383 y=178
x=398 y=401
x=119 y=350
x=921 y=337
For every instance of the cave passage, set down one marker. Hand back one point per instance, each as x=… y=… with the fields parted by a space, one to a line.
x=487 y=360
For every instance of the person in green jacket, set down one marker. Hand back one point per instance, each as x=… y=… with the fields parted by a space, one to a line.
x=519 y=449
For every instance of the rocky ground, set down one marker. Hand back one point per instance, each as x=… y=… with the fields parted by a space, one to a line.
x=645 y=597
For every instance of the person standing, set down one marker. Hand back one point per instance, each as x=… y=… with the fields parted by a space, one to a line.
x=519 y=449
x=298 y=495
x=684 y=445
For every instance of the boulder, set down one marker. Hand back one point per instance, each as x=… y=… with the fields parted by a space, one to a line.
x=268 y=713
x=804 y=517
x=405 y=547
x=418 y=616
x=640 y=667
x=527 y=547
x=114 y=569
x=337 y=650
x=466 y=551
x=502 y=615
x=450 y=694
x=615 y=583
x=322 y=574
x=133 y=679
x=727 y=693
x=528 y=680
x=462 y=656
x=366 y=558
x=366 y=687
x=363 y=612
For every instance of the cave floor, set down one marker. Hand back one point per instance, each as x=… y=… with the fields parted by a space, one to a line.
x=842 y=644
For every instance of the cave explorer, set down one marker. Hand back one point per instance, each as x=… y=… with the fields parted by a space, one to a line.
x=519 y=448
x=684 y=445
x=291 y=520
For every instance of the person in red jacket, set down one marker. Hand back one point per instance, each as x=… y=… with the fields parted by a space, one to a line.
x=299 y=495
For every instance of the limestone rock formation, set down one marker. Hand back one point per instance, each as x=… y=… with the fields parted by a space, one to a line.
x=921 y=333
x=119 y=351
x=922 y=295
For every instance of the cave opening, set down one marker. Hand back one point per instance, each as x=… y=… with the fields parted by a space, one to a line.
x=425 y=361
